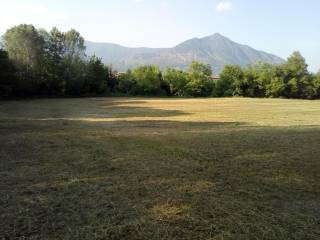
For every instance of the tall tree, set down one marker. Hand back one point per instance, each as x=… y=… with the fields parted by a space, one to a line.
x=96 y=77
x=53 y=62
x=296 y=66
x=25 y=47
x=73 y=60
x=297 y=78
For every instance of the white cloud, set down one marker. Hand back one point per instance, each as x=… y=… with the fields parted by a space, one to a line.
x=224 y=6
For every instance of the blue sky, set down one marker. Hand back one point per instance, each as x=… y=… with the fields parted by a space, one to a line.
x=278 y=27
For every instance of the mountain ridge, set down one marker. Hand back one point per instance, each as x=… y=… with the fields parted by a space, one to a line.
x=216 y=50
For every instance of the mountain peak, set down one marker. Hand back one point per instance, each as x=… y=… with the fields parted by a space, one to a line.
x=216 y=50
x=217 y=36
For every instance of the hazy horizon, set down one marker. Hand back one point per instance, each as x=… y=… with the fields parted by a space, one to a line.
x=270 y=26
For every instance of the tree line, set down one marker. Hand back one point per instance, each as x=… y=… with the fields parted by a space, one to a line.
x=34 y=62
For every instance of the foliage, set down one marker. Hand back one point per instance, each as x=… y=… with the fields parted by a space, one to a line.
x=290 y=80
x=125 y=83
x=148 y=80
x=177 y=81
x=53 y=63
x=96 y=77
x=199 y=80
x=257 y=78
x=26 y=49
x=74 y=54
x=7 y=75
x=230 y=82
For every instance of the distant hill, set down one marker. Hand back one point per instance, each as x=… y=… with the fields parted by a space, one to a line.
x=215 y=50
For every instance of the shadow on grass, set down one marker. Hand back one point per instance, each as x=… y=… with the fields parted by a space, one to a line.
x=74 y=109
x=157 y=179
x=123 y=108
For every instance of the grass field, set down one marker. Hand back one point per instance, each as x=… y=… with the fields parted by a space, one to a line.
x=140 y=168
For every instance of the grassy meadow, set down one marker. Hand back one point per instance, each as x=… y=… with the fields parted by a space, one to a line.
x=149 y=168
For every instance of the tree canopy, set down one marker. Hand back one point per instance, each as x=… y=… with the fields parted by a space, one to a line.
x=289 y=80
x=51 y=63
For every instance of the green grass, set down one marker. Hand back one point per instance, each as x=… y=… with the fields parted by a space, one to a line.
x=139 y=168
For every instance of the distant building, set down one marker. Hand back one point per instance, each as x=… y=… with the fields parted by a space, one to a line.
x=120 y=74
x=215 y=78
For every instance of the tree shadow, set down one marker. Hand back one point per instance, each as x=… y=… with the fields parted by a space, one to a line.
x=147 y=179
x=93 y=108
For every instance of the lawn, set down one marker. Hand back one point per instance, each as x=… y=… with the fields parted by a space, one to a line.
x=148 y=168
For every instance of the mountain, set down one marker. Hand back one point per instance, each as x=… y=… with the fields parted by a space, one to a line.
x=215 y=50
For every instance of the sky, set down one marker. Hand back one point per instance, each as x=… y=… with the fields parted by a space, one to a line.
x=275 y=26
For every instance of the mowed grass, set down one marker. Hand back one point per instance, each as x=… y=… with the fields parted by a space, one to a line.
x=140 y=168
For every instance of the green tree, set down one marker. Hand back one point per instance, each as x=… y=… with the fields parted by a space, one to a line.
x=126 y=83
x=200 y=83
x=200 y=69
x=231 y=82
x=53 y=62
x=74 y=62
x=298 y=83
x=96 y=77
x=177 y=81
x=56 y=63
x=148 y=80
x=296 y=66
x=26 y=48
x=309 y=87
x=276 y=87
x=257 y=77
